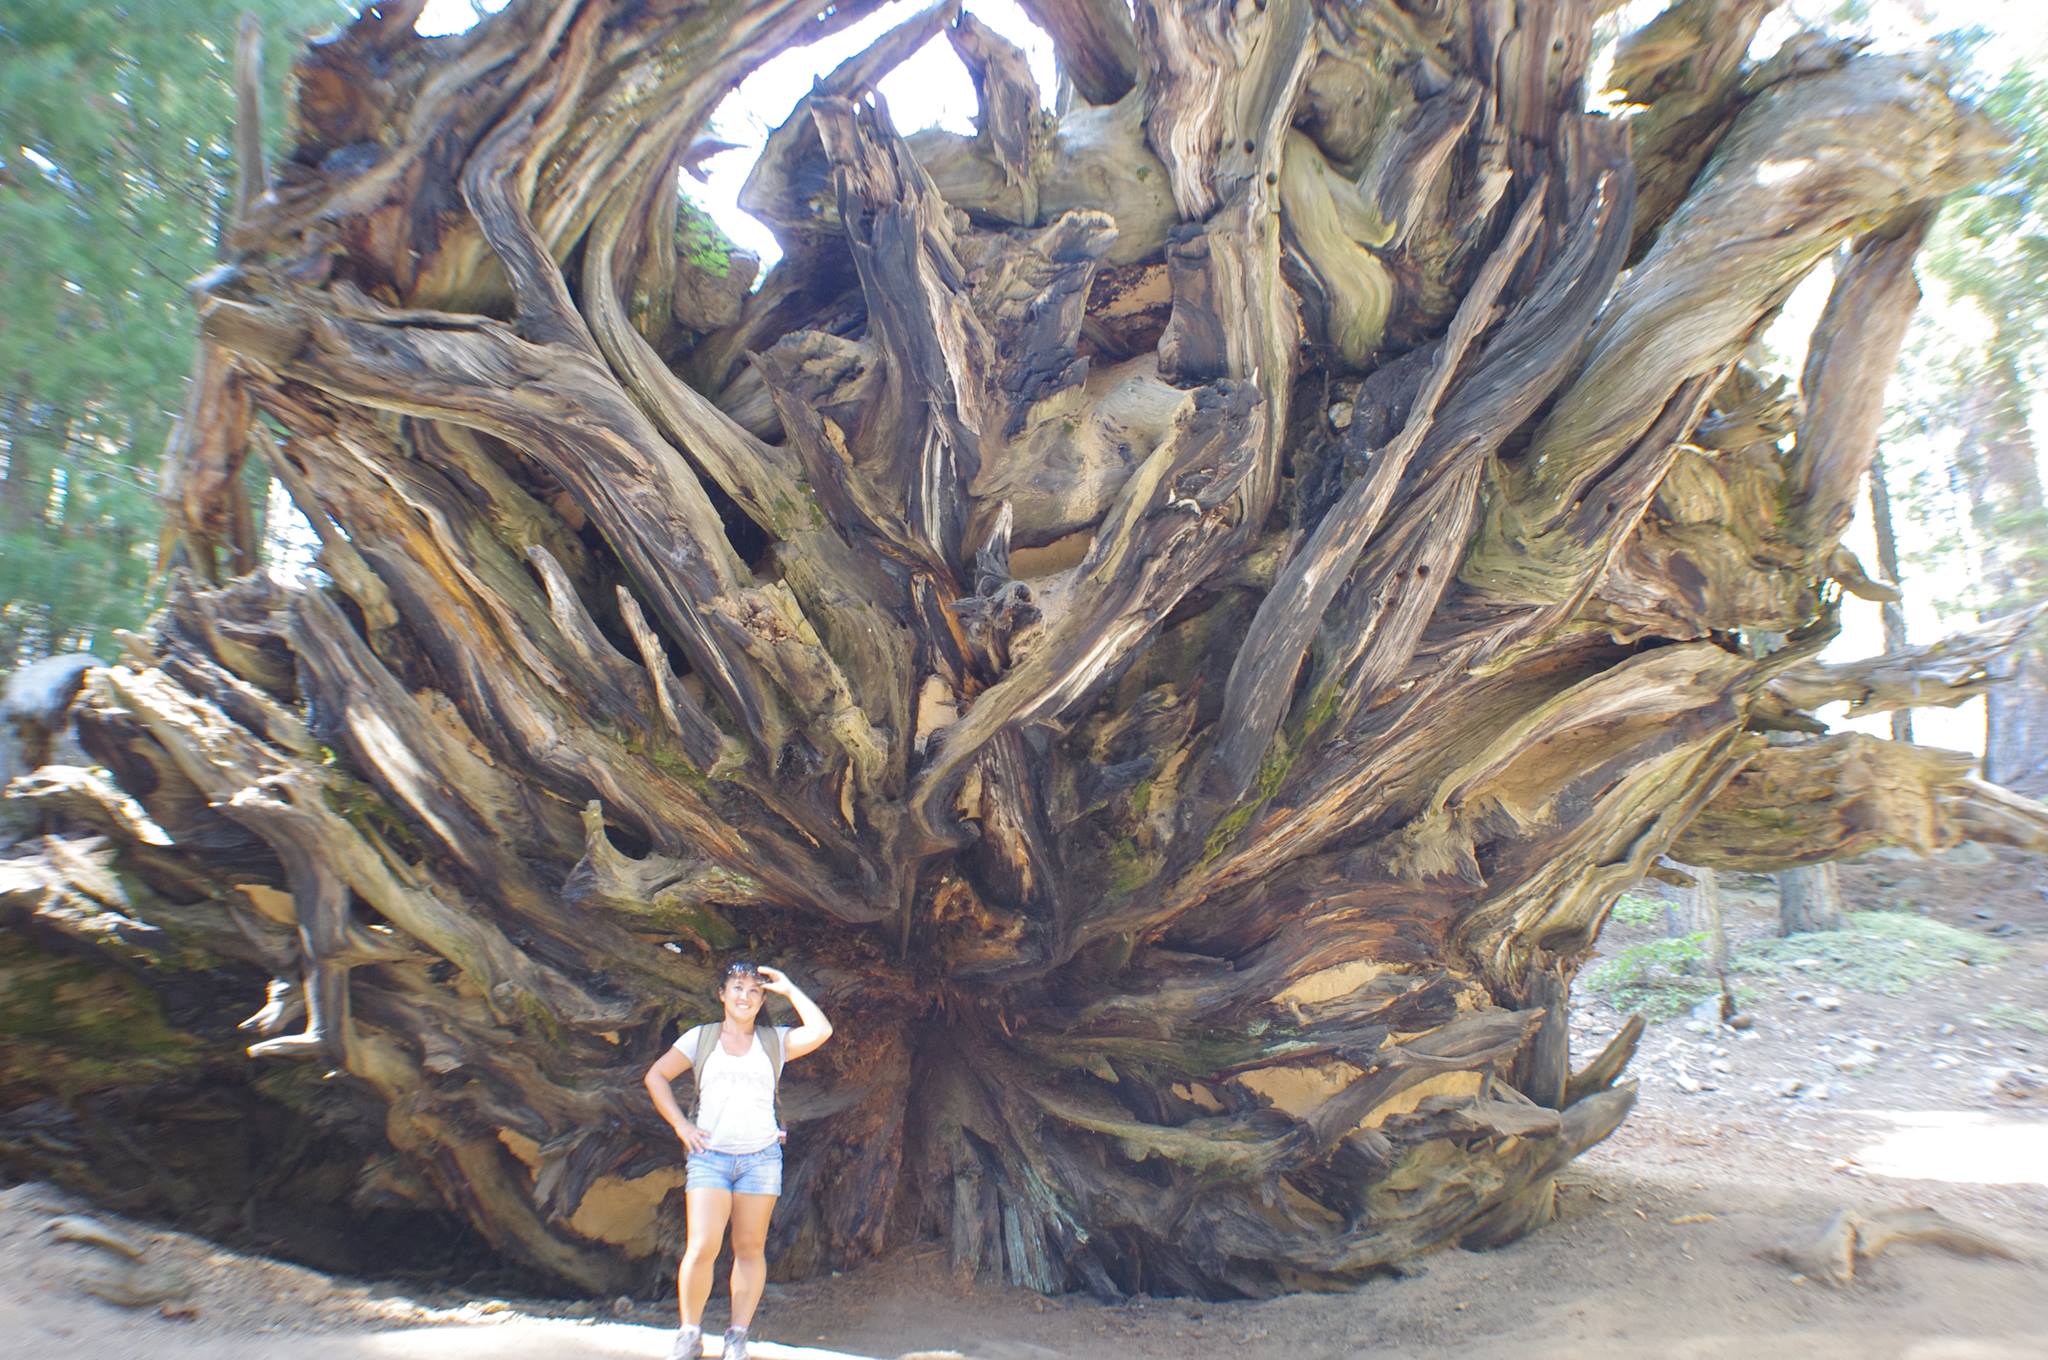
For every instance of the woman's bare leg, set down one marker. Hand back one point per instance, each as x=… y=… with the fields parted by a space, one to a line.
x=706 y=1214
x=749 y=1254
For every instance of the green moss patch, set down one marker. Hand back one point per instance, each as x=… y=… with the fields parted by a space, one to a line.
x=72 y=1027
x=700 y=244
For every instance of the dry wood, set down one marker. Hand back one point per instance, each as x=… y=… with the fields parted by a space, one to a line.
x=1175 y=615
x=1852 y=1236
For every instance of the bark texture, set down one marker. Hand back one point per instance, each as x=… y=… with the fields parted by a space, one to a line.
x=1894 y=613
x=2002 y=476
x=1175 y=619
x=1809 y=898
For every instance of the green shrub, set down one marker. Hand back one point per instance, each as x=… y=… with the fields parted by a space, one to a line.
x=1631 y=910
x=1875 y=951
x=1660 y=978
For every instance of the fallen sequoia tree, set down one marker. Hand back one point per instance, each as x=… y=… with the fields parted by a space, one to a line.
x=1174 y=618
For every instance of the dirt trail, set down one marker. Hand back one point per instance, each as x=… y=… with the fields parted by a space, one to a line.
x=1834 y=1098
x=1617 y=1277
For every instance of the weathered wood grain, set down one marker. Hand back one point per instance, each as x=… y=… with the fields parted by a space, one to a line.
x=1174 y=615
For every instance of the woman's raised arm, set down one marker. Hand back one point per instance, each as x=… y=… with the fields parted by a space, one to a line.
x=812 y=1029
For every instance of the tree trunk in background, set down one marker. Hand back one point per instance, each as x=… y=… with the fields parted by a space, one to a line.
x=1704 y=916
x=1174 y=621
x=14 y=427
x=1809 y=899
x=1894 y=611
x=38 y=438
x=34 y=447
x=2003 y=477
x=2016 y=726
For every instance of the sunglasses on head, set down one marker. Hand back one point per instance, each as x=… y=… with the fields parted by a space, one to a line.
x=733 y=970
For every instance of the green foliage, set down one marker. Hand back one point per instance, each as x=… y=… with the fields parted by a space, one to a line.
x=114 y=171
x=1991 y=246
x=1631 y=910
x=1659 y=978
x=2033 y=1018
x=1958 y=439
x=1876 y=951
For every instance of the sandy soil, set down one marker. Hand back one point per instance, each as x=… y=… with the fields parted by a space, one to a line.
x=1938 y=1097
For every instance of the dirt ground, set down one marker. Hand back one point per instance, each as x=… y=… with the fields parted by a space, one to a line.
x=1835 y=1096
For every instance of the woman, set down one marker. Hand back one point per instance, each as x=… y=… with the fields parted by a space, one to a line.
x=735 y=1166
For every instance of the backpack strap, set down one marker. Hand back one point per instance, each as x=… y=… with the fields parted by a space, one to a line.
x=707 y=1041
x=771 y=1044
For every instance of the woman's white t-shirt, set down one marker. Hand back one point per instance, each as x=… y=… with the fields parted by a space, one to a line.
x=735 y=1095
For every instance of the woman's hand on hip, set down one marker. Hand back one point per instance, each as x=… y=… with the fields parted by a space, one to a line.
x=692 y=1137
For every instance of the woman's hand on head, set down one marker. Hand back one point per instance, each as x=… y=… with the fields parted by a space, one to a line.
x=776 y=981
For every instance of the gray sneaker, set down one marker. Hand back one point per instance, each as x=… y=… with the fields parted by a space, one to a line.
x=689 y=1344
x=735 y=1343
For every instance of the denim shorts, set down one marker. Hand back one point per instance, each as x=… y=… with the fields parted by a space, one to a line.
x=743 y=1173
